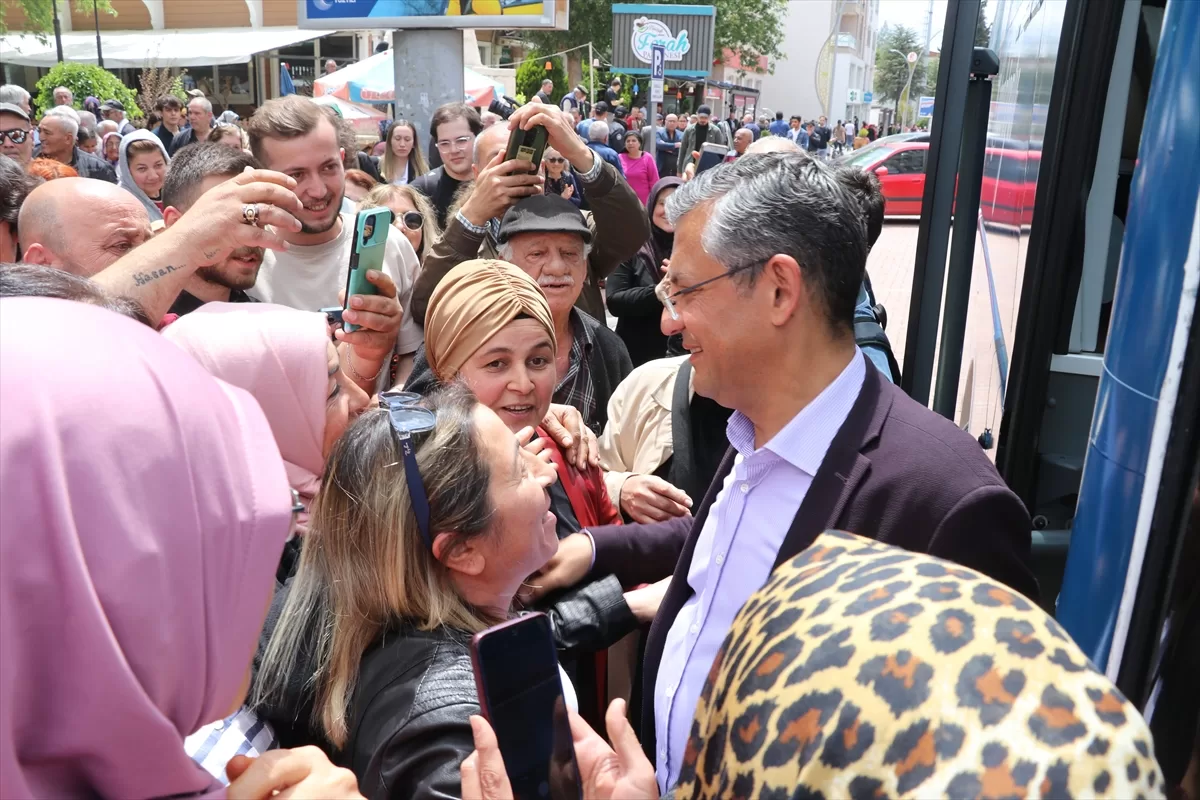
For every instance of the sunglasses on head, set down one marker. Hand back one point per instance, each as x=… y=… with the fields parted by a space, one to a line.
x=407 y=418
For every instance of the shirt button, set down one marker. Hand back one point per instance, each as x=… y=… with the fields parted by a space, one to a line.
x=745 y=488
x=720 y=559
x=695 y=628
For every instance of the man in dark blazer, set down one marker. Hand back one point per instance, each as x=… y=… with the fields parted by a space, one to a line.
x=819 y=439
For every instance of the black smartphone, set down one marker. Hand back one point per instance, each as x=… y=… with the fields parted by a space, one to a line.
x=527 y=145
x=520 y=691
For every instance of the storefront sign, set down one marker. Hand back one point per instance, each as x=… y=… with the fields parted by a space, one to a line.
x=684 y=32
x=412 y=14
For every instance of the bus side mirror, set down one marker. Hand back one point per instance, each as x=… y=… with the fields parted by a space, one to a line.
x=881 y=171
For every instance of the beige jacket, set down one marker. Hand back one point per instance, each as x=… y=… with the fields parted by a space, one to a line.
x=637 y=438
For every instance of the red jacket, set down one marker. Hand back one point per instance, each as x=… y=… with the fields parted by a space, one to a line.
x=586 y=491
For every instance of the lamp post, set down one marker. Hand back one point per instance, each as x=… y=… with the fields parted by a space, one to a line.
x=911 y=58
x=57 y=31
x=99 y=52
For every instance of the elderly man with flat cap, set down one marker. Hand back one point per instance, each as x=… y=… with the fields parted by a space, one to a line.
x=617 y=224
x=548 y=239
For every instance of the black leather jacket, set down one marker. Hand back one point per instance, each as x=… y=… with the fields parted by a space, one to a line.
x=410 y=714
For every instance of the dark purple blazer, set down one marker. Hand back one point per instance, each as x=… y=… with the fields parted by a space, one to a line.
x=896 y=472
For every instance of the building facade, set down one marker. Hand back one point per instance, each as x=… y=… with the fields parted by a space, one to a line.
x=800 y=83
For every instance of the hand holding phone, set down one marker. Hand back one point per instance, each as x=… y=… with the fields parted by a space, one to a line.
x=710 y=155
x=371 y=228
x=527 y=145
x=521 y=694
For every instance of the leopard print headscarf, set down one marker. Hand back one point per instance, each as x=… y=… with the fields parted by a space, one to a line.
x=862 y=670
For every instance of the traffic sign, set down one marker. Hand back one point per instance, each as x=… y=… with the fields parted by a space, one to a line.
x=658 y=69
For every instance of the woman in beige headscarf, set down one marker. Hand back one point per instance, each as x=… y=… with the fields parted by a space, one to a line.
x=489 y=325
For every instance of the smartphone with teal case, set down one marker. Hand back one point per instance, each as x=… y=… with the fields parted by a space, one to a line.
x=370 y=241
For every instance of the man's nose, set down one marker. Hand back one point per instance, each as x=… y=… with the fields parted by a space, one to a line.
x=669 y=325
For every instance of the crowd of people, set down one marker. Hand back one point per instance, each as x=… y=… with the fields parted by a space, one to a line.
x=250 y=524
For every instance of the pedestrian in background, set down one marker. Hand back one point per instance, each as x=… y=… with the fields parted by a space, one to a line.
x=640 y=170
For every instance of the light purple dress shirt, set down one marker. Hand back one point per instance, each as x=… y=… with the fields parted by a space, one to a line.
x=737 y=547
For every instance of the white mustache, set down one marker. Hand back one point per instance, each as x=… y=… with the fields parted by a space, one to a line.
x=557 y=280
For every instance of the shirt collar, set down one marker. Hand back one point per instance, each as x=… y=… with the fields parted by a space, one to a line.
x=582 y=331
x=804 y=441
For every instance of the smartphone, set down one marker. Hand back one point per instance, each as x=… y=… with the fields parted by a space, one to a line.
x=520 y=691
x=371 y=228
x=527 y=146
x=333 y=315
x=710 y=155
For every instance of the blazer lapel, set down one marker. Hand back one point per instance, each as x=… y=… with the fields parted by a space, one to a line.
x=842 y=469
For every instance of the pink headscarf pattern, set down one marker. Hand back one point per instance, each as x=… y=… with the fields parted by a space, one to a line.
x=144 y=511
x=279 y=355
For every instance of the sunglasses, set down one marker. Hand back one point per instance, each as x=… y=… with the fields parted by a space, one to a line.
x=411 y=220
x=16 y=135
x=556 y=160
x=407 y=419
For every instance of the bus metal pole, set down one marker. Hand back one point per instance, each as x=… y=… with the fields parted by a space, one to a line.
x=962 y=248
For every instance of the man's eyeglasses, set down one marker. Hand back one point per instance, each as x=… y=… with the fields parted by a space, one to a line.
x=668 y=298
x=461 y=143
x=411 y=220
x=16 y=135
x=408 y=418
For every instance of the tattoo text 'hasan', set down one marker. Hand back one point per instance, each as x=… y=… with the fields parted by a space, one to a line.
x=142 y=278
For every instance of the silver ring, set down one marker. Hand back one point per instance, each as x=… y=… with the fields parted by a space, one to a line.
x=250 y=214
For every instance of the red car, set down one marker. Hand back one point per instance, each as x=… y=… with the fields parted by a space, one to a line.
x=1009 y=179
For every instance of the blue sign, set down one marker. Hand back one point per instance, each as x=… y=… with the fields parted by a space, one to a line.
x=868 y=97
x=426 y=14
x=925 y=107
x=658 y=62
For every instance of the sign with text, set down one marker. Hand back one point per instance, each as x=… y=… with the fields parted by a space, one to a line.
x=658 y=67
x=684 y=34
x=414 y=14
x=925 y=107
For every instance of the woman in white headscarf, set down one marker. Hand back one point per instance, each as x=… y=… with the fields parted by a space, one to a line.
x=142 y=169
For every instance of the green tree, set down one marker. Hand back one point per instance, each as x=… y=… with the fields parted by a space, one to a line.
x=983 y=31
x=84 y=80
x=39 y=14
x=751 y=27
x=891 y=66
x=931 y=75
x=532 y=72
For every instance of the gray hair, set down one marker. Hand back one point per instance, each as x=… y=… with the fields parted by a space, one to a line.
x=782 y=204
x=204 y=102
x=598 y=132
x=67 y=117
x=11 y=93
x=58 y=89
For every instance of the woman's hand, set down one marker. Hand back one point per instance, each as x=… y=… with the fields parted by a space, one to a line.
x=644 y=602
x=304 y=772
x=528 y=438
x=568 y=192
x=623 y=774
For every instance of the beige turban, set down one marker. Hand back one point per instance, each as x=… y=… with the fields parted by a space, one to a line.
x=472 y=304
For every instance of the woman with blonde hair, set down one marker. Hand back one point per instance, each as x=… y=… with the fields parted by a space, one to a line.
x=414 y=214
x=402 y=159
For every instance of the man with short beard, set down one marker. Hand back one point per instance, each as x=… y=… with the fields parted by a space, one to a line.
x=295 y=136
x=193 y=172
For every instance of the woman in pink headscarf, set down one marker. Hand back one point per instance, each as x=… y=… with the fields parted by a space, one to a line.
x=145 y=507
x=286 y=359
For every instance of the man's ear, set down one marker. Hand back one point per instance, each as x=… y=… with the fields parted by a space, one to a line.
x=171 y=215
x=466 y=558
x=790 y=290
x=37 y=253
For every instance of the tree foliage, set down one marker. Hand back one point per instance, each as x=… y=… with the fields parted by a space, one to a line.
x=891 y=68
x=39 y=14
x=532 y=72
x=752 y=28
x=84 y=80
x=983 y=30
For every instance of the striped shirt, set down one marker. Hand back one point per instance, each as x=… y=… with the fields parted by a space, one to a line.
x=242 y=734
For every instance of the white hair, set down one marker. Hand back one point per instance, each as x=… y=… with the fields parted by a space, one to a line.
x=598 y=131
x=204 y=102
x=58 y=89
x=505 y=251
x=67 y=117
x=11 y=93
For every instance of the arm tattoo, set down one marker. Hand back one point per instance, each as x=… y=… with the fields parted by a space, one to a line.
x=143 y=278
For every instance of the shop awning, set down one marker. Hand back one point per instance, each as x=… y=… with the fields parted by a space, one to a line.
x=191 y=47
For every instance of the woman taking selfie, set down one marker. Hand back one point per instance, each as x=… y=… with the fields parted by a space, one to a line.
x=640 y=169
x=402 y=160
x=130 y=619
x=412 y=211
x=143 y=168
x=629 y=291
